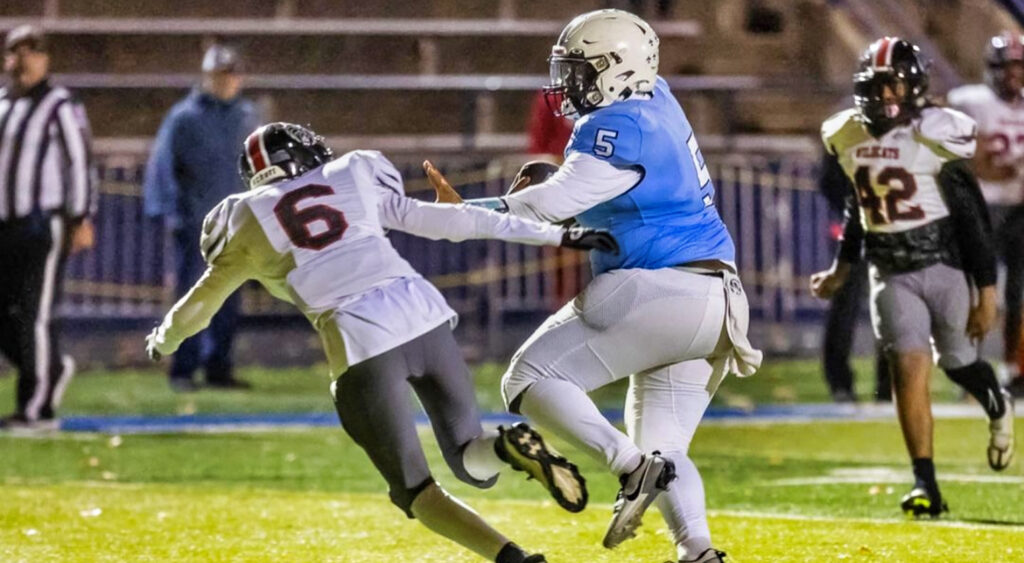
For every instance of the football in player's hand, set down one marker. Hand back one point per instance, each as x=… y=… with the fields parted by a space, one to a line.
x=533 y=172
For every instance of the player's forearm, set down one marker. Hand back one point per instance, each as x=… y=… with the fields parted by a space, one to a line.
x=581 y=183
x=971 y=222
x=851 y=245
x=192 y=313
x=462 y=222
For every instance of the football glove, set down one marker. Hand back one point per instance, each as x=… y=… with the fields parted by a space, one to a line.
x=582 y=238
x=151 y=350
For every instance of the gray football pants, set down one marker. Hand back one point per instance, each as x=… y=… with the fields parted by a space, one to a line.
x=374 y=404
x=909 y=310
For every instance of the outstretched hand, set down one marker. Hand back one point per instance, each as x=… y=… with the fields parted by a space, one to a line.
x=444 y=191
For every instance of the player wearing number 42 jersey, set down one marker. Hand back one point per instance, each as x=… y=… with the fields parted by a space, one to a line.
x=312 y=231
x=915 y=211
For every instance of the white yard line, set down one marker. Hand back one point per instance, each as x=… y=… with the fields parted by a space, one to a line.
x=856 y=520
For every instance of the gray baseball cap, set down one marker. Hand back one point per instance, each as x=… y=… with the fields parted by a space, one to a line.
x=29 y=35
x=221 y=58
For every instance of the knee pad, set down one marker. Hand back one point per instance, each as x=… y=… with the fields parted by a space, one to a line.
x=404 y=498
x=515 y=381
x=958 y=362
x=456 y=462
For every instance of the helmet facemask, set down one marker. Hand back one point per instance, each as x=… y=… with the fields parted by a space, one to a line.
x=573 y=90
x=883 y=99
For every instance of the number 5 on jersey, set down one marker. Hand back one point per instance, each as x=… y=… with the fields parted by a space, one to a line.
x=603 y=145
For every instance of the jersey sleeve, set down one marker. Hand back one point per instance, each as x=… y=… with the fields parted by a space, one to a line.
x=228 y=268
x=461 y=222
x=835 y=128
x=614 y=138
x=378 y=170
x=971 y=220
x=217 y=228
x=949 y=133
x=582 y=182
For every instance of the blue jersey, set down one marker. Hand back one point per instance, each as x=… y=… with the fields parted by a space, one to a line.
x=669 y=217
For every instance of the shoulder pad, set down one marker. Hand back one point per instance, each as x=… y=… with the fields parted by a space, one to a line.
x=372 y=165
x=970 y=95
x=838 y=130
x=950 y=133
x=217 y=227
x=611 y=136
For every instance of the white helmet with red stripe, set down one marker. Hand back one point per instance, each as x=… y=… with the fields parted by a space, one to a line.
x=280 y=150
x=601 y=57
x=1004 y=51
x=890 y=84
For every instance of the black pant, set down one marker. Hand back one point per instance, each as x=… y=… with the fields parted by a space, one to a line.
x=1011 y=237
x=373 y=403
x=210 y=348
x=32 y=253
x=840 y=327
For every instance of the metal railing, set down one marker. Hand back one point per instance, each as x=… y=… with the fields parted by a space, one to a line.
x=778 y=220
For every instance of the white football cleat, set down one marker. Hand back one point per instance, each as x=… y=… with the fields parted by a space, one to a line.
x=639 y=489
x=1001 y=438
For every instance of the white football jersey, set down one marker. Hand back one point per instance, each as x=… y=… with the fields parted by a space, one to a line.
x=1001 y=129
x=318 y=241
x=895 y=176
x=328 y=221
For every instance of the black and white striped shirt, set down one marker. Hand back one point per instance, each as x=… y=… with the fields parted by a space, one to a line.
x=45 y=154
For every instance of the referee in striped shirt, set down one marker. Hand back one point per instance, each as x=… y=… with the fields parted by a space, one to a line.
x=47 y=193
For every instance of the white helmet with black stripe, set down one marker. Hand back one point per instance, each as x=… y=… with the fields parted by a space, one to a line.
x=600 y=58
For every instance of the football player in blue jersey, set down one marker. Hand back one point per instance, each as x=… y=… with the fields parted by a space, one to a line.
x=668 y=311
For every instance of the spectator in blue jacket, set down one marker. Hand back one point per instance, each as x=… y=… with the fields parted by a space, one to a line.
x=193 y=166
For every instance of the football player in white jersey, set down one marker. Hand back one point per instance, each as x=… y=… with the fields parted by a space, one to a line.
x=916 y=212
x=998 y=107
x=312 y=231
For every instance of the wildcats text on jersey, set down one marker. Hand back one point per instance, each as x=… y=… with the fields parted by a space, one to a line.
x=878 y=152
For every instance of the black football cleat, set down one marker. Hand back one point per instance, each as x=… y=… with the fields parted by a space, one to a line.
x=524 y=450
x=709 y=555
x=918 y=503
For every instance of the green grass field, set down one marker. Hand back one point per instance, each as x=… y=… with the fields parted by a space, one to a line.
x=823 y=491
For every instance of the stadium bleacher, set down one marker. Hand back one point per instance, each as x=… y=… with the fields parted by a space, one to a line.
x=131 y=60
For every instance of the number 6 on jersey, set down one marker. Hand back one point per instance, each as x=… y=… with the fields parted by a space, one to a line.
x=297 y=223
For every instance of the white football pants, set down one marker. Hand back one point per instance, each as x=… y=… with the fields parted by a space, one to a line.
x=658 y=327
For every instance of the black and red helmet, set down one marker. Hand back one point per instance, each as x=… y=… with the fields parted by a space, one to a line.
x=1002 y=51
x=899 y=65
x=280 y=150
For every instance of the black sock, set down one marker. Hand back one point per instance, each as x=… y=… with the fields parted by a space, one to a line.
x=511 y=553
x=979 y=379
x=924 y=475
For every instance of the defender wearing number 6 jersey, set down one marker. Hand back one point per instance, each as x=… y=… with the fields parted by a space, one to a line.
x=312 y=231
x=916 y=212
